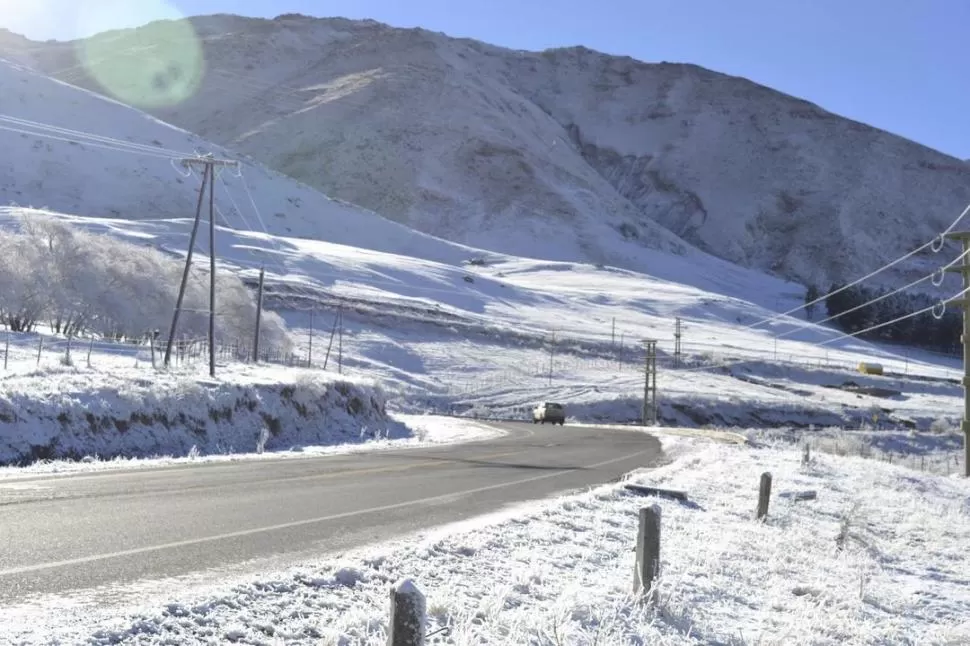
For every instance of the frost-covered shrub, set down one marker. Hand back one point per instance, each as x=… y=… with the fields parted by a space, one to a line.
x=83 y=283
x=941 y=425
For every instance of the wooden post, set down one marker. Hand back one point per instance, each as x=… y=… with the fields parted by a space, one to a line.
x=764 y=495
x=90 y=348
x=340 y=340
x=40 y=348
x=333 y=334
x=259 y=314
x=677 y=337
x=6 y=350
x=407 y=624
x=806 y=454
x=649 y=412
x=552 y=355
x=647 y=567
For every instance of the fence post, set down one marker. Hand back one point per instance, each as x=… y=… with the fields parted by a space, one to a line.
x=40 y=348
x=6 y=350
x=90 y=347
x=407 y=624
x=647 y=566
x=764 y=494
x=67 y=355
x=806 y=454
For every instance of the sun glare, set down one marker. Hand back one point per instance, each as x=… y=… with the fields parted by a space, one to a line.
x=151 y=66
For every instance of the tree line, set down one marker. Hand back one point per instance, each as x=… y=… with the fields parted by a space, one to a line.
x=81 y=283
x=924 y=330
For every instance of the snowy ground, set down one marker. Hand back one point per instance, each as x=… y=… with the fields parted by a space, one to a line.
x=520 y=331
x=560 y=572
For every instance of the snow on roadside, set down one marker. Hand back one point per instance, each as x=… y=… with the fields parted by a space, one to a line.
x=561 y=573
x=426 y=430
x=78 y=413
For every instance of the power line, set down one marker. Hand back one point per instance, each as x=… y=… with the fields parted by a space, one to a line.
x=877 y=299
x=18 y=121
x=936 y=244
x=878 y=326
x=93 y=144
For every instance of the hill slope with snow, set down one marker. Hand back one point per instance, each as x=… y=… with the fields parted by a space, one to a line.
x=73 y=151
x=566 y=154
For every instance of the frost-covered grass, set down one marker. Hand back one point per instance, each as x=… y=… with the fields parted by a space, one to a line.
x=422 y=430
x=560 y=572
x=939 y=450
x=75 y=413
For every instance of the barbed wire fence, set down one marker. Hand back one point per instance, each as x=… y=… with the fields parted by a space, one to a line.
x=566 y=355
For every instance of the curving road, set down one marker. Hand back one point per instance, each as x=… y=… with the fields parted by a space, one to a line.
x=69 y=533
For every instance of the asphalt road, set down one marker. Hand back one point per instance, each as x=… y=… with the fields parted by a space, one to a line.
x=70 y=533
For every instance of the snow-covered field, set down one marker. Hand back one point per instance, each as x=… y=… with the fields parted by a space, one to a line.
x=876 y=558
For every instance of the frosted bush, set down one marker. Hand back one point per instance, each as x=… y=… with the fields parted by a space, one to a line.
x=83 y=283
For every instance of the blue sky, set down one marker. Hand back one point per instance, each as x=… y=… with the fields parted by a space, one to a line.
x=902 y=65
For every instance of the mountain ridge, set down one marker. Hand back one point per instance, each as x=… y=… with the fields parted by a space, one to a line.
x=565 y=154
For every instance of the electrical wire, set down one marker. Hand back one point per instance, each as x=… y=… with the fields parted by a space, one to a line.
x=81 y=134
x=877 y=299
x=85 y=143
x=931 y=244
x=872 y=328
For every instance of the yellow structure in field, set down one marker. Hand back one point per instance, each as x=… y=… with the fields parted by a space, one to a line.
x=870 y=368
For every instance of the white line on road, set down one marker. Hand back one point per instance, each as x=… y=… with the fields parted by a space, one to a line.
x=298 y=523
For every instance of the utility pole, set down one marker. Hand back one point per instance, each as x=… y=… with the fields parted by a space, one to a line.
x=340 y=341
x=309 y=356
x=208 y=163
x=185 y=271
x=964 y=301
x=552 y=355
x=333 y=333
x=649 y=415
x=677 y=335
x=259 y=314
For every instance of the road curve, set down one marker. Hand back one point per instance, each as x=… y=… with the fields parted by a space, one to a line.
x=72 y=533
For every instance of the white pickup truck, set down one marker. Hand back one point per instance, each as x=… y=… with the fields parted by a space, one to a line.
x=549 y=412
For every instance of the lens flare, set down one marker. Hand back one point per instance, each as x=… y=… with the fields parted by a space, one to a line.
x=158 y=65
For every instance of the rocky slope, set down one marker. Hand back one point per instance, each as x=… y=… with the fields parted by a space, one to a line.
x=564 y=154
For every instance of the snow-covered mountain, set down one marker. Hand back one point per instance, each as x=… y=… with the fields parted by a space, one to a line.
x=73 y=151
x=565 y=154
x=77 y=153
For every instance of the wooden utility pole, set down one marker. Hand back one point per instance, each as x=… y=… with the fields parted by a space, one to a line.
x=650 y=383
x=677 y=335
x=309 y=356
x=185 y=271
x=340 y=341
x=208 y=163
x=259 y=314
x=552 y=356
x=333 y=334
x=964 y=301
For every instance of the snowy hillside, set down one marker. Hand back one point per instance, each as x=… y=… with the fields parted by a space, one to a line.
x=566 y=154
x=73 y=151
